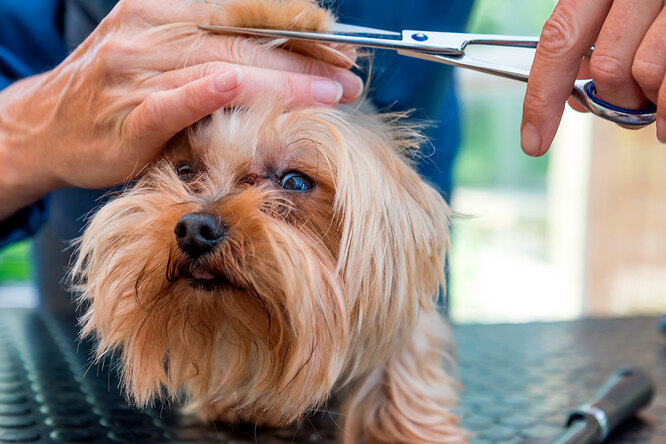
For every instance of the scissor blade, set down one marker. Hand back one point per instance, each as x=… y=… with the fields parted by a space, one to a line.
x=344 y=28
x=384 y=40
x=389 y=41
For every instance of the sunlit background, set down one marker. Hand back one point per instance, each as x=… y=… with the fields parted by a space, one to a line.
x=578 y=232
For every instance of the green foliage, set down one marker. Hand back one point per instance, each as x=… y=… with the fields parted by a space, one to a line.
x=515 y=17
x=15 y=263
x=490 y=156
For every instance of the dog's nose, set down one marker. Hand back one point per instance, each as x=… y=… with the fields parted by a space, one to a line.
x=199 y=233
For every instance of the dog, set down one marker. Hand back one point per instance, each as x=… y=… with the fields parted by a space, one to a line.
x=274 y=257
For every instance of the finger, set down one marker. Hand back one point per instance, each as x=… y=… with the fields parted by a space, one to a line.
x=179 y=77
x=291 y=88
x=618 y=41
x=198 y=47
x=649 y=67
x=583 y=73
x=567 y=36
x=661 y=112
x=163 y=114
x=176 y=54
x=352 y=85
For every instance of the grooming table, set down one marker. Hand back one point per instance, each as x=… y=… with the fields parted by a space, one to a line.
x=520 y=382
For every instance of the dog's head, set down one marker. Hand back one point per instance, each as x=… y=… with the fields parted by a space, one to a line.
x=270 y=256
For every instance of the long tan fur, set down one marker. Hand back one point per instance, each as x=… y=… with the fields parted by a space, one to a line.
x=331 y=291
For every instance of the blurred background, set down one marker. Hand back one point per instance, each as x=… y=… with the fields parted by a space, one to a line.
x=578 y=232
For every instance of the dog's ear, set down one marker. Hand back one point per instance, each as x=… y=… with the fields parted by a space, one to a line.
x=393 y=251
x=395 y=226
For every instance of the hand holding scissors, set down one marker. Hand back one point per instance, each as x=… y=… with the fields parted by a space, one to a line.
x=628 y=65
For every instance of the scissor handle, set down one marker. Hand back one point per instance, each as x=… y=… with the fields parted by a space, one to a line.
x=585 y=94
x=584 y=91
x=455 y=43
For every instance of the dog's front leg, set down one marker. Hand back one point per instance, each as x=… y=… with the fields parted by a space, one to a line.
x=409 y=399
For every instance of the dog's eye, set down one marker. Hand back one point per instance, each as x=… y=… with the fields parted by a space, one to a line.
x=296 y=182
x=185 y=172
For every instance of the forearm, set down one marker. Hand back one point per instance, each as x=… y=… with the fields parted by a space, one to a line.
x=25 y=174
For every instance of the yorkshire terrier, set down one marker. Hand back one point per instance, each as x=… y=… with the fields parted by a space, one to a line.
x=275 y=257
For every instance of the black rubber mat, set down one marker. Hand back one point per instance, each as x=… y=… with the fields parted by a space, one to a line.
x=520 y=381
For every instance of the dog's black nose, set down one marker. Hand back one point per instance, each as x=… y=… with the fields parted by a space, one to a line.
x=199 y=233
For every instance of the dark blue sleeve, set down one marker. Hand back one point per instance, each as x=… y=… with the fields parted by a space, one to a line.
x=24 y=223
x=30 y=42
x=401 y=83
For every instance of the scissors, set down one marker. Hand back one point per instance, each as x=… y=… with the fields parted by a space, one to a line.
x=449 y=48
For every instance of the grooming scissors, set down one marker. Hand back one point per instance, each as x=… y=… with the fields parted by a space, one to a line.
x=449 y=48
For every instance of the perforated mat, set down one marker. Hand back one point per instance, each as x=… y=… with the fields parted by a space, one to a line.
x=520 y=382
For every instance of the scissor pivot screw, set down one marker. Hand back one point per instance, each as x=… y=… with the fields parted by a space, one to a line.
x=420 y=37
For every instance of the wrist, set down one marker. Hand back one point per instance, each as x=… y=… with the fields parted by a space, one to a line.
x=25 y=169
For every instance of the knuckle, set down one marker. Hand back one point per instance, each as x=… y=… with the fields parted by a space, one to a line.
x=535 y=103
x=126 y=7
x=105 y=56
x=140 y=121
x=114 y=50
x=209 y=68
x=559 y=34
x=291 y=88
x=240 y=50
x=313 y=66
x=131 y=11
x=609 y=71
x=191 y=99
x=647 y=73
x=153 y=115
x=108 y=48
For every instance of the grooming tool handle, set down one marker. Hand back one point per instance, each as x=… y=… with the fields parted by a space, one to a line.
x=623 y=394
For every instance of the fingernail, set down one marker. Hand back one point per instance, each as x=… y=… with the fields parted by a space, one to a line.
x=661 y=129
x=326 y=91
x=530 y=140
x=228 y=80
x=352 y=85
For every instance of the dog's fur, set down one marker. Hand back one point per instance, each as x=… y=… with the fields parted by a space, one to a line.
x=319 y=292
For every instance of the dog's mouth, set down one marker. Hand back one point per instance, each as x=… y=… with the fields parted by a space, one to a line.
x=204 y=279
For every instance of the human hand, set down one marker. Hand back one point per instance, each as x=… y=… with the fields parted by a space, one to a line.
x=628 y=65
x=143 y=75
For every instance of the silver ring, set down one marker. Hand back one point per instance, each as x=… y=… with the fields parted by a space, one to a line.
x=600 y=416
